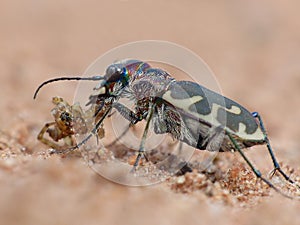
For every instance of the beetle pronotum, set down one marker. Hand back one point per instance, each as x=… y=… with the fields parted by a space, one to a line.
x=188 y=111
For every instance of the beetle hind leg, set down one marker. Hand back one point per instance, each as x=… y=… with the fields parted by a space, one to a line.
x=255 y=171
x=275 y=162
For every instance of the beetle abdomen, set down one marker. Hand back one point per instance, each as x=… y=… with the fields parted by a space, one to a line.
x=215 y=110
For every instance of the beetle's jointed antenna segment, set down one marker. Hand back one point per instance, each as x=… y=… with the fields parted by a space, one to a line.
x=95 y=78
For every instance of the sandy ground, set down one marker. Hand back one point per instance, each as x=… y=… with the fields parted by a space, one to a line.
x=253 y=48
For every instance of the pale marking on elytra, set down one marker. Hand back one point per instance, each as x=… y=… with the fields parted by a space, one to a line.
x=212 y=117
x=257 y=135
x=183 y=103
x=234 y=109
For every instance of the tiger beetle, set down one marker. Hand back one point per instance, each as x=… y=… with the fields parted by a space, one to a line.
x=186 y=110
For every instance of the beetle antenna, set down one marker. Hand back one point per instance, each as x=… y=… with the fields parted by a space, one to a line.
x=94 y=78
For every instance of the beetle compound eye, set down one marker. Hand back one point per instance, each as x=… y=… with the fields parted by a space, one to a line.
x=111 y=70
x=114 y=72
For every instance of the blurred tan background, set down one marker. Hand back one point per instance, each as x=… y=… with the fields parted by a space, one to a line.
x=253 y=47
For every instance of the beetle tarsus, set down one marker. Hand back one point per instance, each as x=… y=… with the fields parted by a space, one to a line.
x=256 y=171
x=275 y=162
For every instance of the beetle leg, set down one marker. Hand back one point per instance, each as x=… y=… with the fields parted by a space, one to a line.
x=275 y=162
x=213 y=141
x=184 y=168
x=255 y=171
x=141 y=151
x=184 y=165
x=99 y=108
x=127 y=113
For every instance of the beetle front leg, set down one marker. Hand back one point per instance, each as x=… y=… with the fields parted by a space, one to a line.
x=143 y=141
x=184 y=165
x=127 y=113
x=275 y=162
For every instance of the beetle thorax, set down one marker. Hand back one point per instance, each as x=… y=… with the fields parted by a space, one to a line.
x=152 y=84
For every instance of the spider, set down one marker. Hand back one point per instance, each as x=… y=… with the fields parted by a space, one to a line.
x=69 y=120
